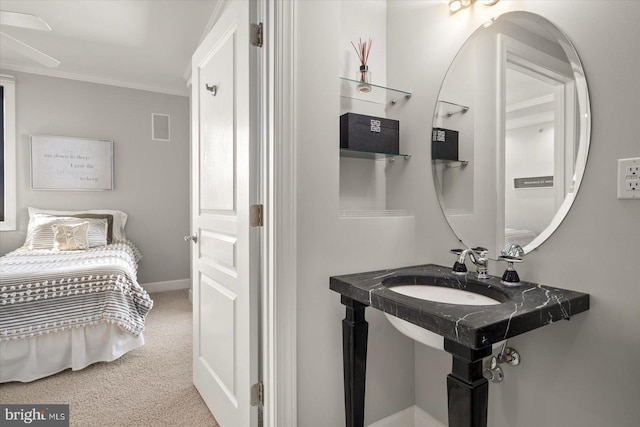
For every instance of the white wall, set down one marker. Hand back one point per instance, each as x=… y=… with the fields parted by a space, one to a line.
x=151 y=178
x=362 y=182
x=328 y=245
x=578 y=373
x=529 y=153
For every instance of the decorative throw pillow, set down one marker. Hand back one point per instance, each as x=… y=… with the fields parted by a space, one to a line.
x=119 y=218
x=70 y=236
x=107 y=217
x=40 y=231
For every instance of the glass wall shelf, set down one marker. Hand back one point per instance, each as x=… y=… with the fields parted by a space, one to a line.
x=451 y=163
x=377 y=95
x=448 y=109
x=358 y=154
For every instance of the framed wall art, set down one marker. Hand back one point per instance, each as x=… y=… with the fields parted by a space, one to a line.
x=69 y=163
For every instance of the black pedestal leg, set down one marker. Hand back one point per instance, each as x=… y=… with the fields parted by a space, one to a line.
x=467 y=389
x=354 y=355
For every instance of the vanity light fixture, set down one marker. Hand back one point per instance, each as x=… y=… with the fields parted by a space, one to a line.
x=456 y=5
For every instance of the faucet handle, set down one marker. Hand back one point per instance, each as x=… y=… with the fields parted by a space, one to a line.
x=514 y=250
x=510 y=274
x=459 y=266
x=480 y=250
x=510 y=259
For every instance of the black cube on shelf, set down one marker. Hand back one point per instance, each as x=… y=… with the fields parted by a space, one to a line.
x=444 y=144
x=368 y=133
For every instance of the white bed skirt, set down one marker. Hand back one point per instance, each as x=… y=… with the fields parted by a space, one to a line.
x=34 y=358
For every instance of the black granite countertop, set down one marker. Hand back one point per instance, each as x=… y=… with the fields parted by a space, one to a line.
x=523 y=307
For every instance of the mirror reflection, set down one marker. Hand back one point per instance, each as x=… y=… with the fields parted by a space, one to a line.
x=510 y=133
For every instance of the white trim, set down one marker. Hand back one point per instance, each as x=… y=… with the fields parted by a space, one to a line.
x=424 y=419
x=547 y=68
x=217 y=11
x=10 y=143
x=49 y=72
x=267 y=252
x=528 y=103
x=169 y=285
x=404 y=418
x=281 y=214
x=413 y=416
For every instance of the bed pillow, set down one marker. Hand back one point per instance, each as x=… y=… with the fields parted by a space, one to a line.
x=119 y=218
x=107 y=217
x=70 y=236
x=40 y=234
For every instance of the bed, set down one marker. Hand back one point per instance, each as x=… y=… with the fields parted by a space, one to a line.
x=69 y=297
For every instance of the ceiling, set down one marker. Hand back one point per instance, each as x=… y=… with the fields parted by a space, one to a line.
x=131 y=43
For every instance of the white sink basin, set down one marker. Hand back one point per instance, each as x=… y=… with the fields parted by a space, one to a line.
x=442 y=294
x=435 y=294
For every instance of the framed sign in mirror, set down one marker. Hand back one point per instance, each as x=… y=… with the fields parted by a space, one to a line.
x=70 y=163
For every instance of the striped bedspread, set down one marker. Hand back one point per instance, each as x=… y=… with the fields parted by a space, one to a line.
x=43 y=291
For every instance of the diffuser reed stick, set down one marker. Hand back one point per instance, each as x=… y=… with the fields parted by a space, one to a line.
x=364 y=76
x=363 y=51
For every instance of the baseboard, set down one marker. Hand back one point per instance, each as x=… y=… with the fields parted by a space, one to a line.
x=170 y=285
x=413 y=416
x=424 y=419
x=404 y=418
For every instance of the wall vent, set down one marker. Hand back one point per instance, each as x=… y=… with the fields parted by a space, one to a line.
x=160 y=127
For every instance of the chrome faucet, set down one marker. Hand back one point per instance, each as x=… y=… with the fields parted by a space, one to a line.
x=477 y=255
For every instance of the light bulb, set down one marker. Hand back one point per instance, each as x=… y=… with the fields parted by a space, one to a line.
x=455 y=5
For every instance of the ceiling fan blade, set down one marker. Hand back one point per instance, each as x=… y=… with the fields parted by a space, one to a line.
x=28 y=51
x=23 y=20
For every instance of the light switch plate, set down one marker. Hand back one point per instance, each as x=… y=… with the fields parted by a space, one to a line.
x=629 y=178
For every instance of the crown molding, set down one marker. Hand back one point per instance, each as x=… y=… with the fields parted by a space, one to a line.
x=91 y=79
x=217 y=11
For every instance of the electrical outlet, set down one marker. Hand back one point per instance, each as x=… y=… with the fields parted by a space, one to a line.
x=629 y=178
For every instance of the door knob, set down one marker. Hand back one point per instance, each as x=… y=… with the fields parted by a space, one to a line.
x=193 y=238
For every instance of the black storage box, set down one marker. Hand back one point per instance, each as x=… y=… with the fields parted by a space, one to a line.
x=444 y=144
x=368 y=133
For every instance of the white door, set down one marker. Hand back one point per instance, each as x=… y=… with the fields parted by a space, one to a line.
x=225 y=266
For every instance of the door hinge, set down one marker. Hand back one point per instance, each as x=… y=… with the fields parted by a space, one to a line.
x=257 y=394
x=256 y=35
x=256 y=215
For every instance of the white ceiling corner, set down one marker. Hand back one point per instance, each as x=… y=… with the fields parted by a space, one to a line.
x=139 y=44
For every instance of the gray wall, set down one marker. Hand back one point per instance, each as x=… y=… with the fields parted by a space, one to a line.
x=151 y=178
x=578 y=373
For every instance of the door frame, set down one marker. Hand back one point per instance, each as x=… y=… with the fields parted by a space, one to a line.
x=212 y=41
x=279 y=304
x=511 y=52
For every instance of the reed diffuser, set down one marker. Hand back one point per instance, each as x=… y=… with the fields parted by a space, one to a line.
x=363 y=75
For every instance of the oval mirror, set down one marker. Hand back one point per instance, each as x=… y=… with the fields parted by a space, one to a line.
x=510 y=133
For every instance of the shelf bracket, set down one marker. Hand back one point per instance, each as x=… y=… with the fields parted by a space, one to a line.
x=404 y=156
x=407 y=96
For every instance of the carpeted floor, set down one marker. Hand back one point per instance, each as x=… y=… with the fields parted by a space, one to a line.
x=149 y=386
